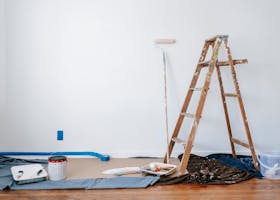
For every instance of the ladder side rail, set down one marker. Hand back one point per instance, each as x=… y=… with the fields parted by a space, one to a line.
x=202 y=98
x=226 y=111
x=242 y=109
x=186 y=102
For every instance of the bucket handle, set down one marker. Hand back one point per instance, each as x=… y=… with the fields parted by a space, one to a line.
x=275 y=168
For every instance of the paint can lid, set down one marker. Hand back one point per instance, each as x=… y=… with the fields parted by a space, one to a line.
x=57 y=159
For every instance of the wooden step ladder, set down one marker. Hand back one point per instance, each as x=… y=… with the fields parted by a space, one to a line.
x=215 y=43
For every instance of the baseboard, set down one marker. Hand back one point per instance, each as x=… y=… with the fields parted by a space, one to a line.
x=141 y=154
x=160 y=155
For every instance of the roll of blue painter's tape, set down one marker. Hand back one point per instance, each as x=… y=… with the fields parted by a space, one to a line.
x=105 y=158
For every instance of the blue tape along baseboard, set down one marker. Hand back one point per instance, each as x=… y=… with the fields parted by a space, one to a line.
x=101 y=157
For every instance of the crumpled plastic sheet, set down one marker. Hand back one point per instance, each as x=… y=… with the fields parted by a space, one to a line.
x=208 y=170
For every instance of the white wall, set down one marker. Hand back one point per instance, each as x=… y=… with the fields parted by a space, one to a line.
x=3 y=69
x=91 y=69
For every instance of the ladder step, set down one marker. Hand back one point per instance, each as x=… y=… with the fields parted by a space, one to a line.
x=236 y=141
x=235 y=62
x=196 y=89
x=189 y=115
x=204 y=63
x=223 y=63
x=179 y=141
x=230 y=95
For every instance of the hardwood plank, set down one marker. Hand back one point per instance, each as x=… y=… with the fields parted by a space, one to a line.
x=254 y=189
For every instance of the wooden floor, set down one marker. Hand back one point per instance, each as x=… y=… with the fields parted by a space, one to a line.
x=249 y=190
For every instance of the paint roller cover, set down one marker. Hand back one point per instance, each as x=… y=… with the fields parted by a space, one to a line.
x=165 y=41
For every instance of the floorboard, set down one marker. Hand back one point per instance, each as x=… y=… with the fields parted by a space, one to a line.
x=253 y=189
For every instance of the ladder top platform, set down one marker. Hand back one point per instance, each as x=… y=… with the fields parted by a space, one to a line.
x=213 y=39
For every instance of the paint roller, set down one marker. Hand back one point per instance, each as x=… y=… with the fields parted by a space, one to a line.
x=165 y=41
x=159 y=43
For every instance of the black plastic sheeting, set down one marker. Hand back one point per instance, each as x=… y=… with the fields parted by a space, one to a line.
x=215 y=169
x=241 y=162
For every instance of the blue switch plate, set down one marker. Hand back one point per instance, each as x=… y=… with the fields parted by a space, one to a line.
x=60 y=135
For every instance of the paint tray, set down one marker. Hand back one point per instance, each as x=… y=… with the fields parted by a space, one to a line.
x=29 y=173
x=159 y=169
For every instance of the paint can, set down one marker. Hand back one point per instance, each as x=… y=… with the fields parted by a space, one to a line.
x=57 y=167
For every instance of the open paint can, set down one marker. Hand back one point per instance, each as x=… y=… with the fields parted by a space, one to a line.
x=57 y=167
